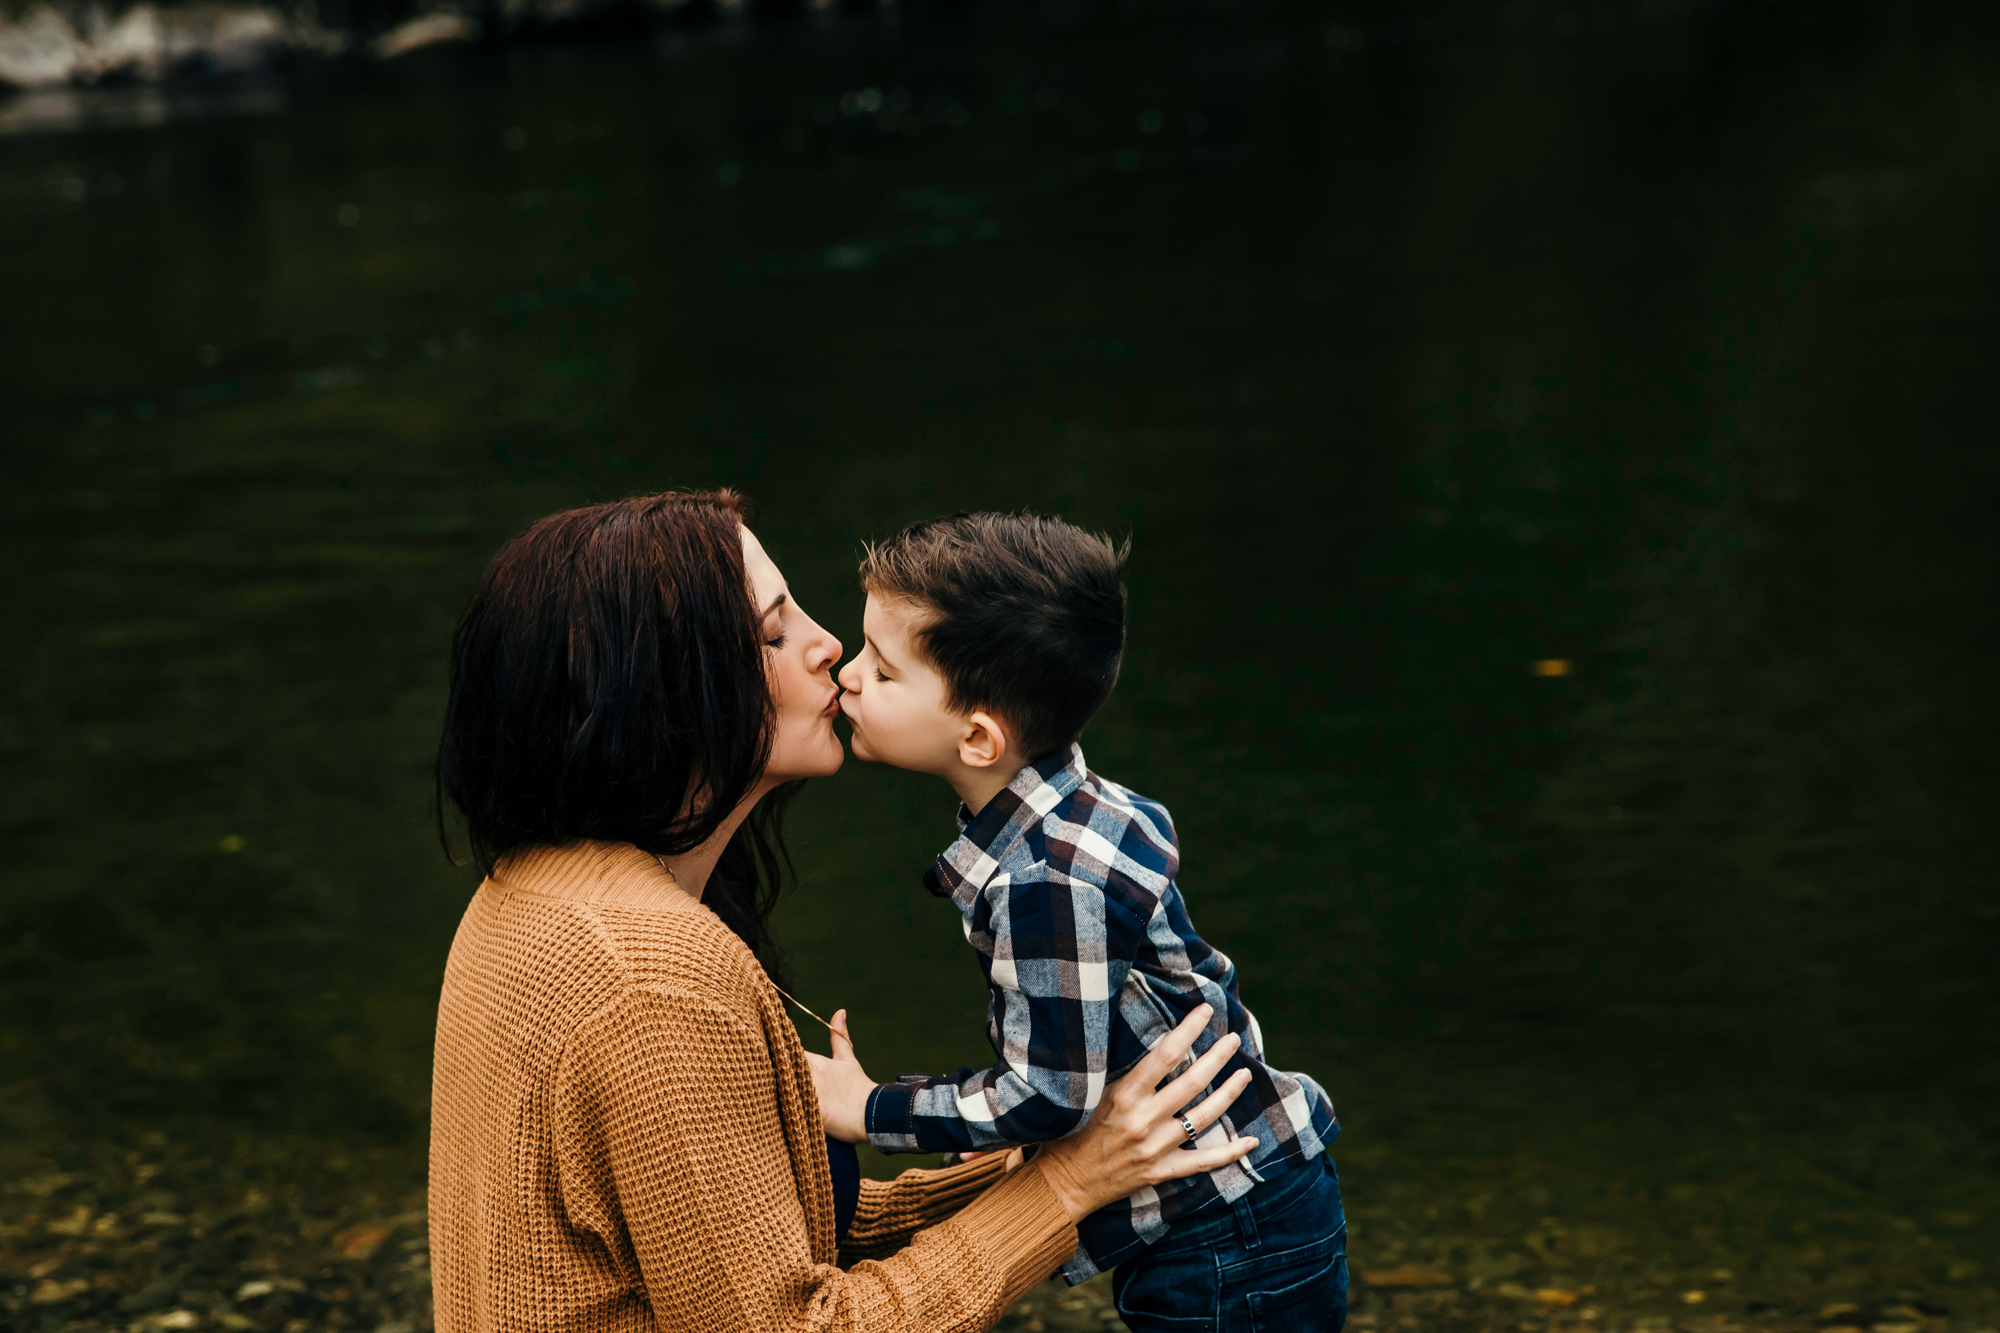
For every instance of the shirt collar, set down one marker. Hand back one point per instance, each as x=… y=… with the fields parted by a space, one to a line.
x=985 y=839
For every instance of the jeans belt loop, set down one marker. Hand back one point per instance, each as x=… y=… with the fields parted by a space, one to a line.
x=1246 y=1221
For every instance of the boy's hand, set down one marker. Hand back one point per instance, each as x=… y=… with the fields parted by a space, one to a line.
x=843 y=1086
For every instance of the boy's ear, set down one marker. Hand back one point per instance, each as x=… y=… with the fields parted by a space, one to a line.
x=984 y=742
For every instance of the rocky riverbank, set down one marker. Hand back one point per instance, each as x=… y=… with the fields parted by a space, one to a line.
x=259 y=1239
x=48 y=47
x=299 y=1236
x=72 y=44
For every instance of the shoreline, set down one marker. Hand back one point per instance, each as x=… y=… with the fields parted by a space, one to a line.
x=55 y=45
x=297 y=1236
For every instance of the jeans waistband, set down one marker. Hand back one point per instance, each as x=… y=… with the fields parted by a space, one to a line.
x=1221 y=1220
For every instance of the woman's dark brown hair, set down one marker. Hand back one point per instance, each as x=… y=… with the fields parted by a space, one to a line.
x=608 y=682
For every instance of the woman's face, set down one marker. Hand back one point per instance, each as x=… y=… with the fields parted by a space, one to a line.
x=799 y=656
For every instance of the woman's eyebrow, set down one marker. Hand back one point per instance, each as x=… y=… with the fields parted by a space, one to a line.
x=776 y=602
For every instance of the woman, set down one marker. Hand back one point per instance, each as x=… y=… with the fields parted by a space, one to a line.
x=625 y=1134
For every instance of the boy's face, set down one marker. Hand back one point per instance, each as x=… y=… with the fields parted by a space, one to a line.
x=895 y=699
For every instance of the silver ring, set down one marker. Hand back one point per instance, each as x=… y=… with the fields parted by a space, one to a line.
x=1188 y=1125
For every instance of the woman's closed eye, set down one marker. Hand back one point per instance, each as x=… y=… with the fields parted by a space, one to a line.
x=774 y=616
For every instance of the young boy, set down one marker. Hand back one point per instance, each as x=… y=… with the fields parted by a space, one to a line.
x=989 y=641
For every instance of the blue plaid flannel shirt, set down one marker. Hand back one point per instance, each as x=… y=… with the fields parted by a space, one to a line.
x=1066 y=885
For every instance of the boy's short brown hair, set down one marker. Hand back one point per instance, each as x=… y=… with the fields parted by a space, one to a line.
x=1025 y=616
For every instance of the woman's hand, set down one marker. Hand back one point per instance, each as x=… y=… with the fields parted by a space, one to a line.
x=843 y=1086
x=1134 y=1138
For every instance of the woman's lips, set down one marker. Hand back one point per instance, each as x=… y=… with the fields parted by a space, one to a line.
x=832 y=705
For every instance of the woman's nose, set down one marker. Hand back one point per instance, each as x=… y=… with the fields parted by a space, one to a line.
x=825 y=653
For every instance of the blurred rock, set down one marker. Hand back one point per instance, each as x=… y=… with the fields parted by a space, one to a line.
x=40 y=50
x=228 y=39
x=360 y=1240
x=43 y=48
x=57 y=45
x=425 y=30
x=136 y=42
x=51 y=1292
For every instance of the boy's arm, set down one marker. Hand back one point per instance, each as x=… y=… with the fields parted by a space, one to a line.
x=1061 y=954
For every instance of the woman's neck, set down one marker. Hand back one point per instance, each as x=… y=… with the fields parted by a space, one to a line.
x=692 y=868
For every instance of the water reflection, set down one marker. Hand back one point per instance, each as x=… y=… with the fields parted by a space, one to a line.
x=1556 y=464
x=66 y=110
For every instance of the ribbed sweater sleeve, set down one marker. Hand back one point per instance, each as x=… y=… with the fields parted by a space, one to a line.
x=889 y=1210
x=672 y=1147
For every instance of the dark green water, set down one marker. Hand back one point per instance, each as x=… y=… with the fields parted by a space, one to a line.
x=1410 y=351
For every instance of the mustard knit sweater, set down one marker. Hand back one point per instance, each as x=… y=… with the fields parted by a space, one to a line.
x=624 y=1136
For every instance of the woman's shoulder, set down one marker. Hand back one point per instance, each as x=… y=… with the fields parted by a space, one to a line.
x=611 y=912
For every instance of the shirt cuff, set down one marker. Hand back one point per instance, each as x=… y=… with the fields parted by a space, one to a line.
x=890 y=1118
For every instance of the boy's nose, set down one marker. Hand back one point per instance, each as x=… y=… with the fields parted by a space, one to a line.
x=850 y=679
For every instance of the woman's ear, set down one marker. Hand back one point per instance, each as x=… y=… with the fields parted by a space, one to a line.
x=984 y=742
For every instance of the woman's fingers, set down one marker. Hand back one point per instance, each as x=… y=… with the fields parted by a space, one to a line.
x=1213 y=1105
x=1196 y=1077
x=1172 y=1133
x=843 y=1045
x=1135 y=1135
x=1167 y=1052
x=1207 y=1159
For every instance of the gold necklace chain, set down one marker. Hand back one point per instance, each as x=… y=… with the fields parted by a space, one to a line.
x=809 y=1013
x=767 y=976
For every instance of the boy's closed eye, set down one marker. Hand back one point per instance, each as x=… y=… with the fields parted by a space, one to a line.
x=880 y=667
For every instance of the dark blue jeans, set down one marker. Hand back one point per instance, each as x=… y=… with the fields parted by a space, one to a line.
x=1275 y=1261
